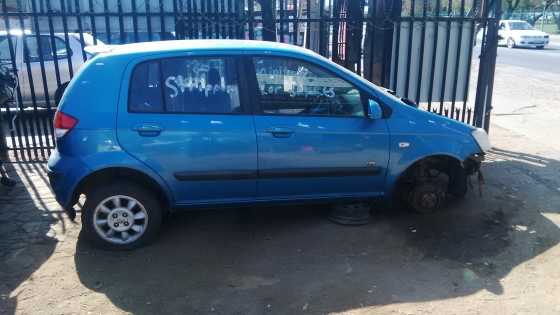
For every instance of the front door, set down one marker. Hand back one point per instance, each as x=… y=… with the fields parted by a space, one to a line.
x=314 y=138
x=186 y=120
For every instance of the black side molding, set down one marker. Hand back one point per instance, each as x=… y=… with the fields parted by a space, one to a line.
x=216 y=175
x=279 y=173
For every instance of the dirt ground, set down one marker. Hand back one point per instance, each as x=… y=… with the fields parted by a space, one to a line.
x=495 y=253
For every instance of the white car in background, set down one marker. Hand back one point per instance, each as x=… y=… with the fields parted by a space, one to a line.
x=68 y=56
x=517 y=33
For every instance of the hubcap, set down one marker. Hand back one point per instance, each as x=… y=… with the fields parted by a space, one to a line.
x=120 y=219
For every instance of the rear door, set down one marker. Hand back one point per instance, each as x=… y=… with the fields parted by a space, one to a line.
x=187 y=120
x=314 y=138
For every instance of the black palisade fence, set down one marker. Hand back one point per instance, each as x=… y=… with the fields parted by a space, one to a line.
x=423 y=50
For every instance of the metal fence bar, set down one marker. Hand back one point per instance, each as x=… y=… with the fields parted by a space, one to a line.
x=134 y=20
x=445 y=59
x=434 y=54
x=80 y=29
x=26 y=125
x=38 y=119
x=161 y=19
x=421 y=58
x=409 y=48
x=121 y=21
x=107 y=21
x=458 y=58
x=66 y=39
x=92 y=21
x=15 y=138
x=148 y=20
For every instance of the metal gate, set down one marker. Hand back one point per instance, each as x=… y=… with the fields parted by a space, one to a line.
x=422 y=49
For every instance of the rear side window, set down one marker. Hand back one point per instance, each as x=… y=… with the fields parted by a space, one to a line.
x=185 y=85
x=201 y=85
x=145 y=89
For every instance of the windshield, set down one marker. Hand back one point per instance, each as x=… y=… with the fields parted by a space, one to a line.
x=520 y=26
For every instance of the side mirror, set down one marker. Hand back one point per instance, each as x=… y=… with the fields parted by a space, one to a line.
x=374 y=110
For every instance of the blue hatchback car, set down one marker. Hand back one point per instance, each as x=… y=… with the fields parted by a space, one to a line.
x=147 y=128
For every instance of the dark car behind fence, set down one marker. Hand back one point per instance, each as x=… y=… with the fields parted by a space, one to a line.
x=421 y=49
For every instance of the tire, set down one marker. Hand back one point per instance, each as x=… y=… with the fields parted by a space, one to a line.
x=132 y=214
x=540 y=47
x=510 y=43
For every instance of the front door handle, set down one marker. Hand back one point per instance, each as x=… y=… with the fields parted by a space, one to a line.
x=148 y=130
x=279 y=132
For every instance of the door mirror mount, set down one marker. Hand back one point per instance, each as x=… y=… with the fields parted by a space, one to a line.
x=374 y=110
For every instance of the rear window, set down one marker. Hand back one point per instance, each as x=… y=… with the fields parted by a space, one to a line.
x=185 y=85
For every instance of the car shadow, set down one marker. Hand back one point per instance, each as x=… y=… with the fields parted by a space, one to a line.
x=26 y=235
x=288 y=260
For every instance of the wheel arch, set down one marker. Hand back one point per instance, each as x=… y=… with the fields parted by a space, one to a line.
x=113 y=173
x=449 y=160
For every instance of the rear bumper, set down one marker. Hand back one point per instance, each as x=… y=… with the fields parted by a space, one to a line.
x=56 y=181
x=64 y=175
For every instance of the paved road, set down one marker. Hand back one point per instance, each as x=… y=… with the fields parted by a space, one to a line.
x=547 y=60
x=527 y=93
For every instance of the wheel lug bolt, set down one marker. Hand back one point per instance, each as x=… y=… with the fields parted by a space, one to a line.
x=115 y=215
x=125 y=215
x=126 y=224
x=116 y=225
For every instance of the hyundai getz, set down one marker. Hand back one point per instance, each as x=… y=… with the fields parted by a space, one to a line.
x=147 y=128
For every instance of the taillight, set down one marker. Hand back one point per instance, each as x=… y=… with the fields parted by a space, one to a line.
x=63 y=123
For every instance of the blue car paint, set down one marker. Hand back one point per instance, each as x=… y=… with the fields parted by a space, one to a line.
x=103 y=138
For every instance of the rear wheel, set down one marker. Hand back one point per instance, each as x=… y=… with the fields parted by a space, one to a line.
x=540 y=47
x=122 y=215
x=510 y=43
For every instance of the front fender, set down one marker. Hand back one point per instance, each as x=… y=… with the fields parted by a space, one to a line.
x=406 y=150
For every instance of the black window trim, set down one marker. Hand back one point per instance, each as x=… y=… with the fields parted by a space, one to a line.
x=364 y=95
x=241 y=82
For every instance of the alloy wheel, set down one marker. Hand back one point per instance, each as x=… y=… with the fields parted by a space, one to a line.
x=120 y=219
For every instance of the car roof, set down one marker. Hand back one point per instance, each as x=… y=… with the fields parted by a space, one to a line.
x=202 y=44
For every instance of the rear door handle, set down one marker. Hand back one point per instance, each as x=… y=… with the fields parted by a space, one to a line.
x=279 y=132
x=148 y=130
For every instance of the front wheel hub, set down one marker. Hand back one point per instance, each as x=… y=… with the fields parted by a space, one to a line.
x=427 y=197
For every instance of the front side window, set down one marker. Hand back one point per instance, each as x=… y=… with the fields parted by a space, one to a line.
x=201 y=85
x=293 y=87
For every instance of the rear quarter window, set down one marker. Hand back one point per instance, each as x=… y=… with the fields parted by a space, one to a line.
x=145 y=95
